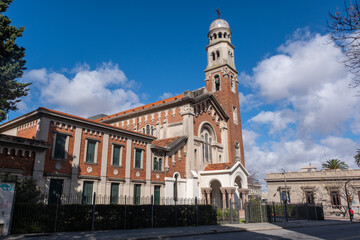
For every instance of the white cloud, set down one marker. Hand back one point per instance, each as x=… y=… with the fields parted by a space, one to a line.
x=86 y=92
x=166 y=95
x=308 y=79
x=279 y=120
x=292 y=155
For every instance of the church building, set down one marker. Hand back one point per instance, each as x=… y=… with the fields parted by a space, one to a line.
x=185 y=146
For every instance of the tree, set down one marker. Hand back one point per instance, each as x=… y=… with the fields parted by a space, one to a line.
x=344 y=33
x=26 y=188
x=333 y=164
x=11 y=64
x=357 y=157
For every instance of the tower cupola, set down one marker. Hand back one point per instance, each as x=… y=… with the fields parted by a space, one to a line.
x=220 y=51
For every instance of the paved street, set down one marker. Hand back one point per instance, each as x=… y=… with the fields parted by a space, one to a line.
x=348 y=232
x=299 y=229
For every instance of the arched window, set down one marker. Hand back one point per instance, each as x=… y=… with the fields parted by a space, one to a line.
x=217 y=82
x=156 y=163
x=214 y=35
x=208 y=136
x=217 y=54
x=220 y=35
x=213 y=56
x=225 y=35
x=148 y=129
x=160 y=164
x=206 y=147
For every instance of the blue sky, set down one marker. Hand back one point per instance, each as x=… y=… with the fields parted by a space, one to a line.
x=87 y=57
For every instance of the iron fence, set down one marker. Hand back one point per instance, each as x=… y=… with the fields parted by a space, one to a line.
x=72 y=213
x=256 y=211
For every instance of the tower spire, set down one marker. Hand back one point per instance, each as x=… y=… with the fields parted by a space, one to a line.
x=218 y=12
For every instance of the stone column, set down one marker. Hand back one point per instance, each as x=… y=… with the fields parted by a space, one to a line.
x=231 y=192
x=203 y=196
x=223 y=192
x=208 y=192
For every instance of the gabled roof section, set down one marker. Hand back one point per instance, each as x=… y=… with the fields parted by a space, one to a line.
x=192 y=97
x=168 y=144
x=218 y=166
x=141 y=108
x=54 y=113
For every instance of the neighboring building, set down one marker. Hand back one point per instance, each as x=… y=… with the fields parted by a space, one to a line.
x=254 y=187
x=326 y=187
x=185 y=146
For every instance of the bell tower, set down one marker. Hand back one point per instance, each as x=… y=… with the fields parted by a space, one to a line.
x=221 y=80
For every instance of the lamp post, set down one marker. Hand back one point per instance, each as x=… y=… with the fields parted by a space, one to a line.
x=285 y=200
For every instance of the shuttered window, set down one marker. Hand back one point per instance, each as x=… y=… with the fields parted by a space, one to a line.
x=157 y=195
x=90 y=153
x=137 y=188
x=114 y=194
x=116 y=156
x=87 y=192
x=138 y=158
x=60 y=142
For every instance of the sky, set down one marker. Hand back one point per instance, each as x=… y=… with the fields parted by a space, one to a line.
x=90 y=57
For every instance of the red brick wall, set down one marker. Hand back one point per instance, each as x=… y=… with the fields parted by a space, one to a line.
x=96 y=167
x=27 y=130
x=15 y=160
x=142 y=170
x=228 y=99
x=66 y=165
x=110 y=167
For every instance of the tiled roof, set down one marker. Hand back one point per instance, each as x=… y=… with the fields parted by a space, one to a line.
x=142 y=107
x=163 y=143
x=218 y=166
x=93 y=121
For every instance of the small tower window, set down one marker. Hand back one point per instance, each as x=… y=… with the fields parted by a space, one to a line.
x=225 y=35
x=214 y=35
x=232 y=83
x=217 y=54
x=220 y=35
x=217 y=83
x=235 y=115
x=213 y=56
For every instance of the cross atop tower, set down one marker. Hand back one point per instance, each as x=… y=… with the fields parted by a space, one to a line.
x=218 y=12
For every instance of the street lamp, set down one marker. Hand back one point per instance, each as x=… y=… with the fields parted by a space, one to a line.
x=285 y=201
x=286 y=192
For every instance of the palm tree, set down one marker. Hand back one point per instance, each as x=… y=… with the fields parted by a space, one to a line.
x=357 y=157
x=333 y=164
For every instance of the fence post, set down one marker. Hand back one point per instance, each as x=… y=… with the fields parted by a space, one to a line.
x=261 y=212
x=56 y=213
x=307 y=212
x=152 y=211
x=274 y=212
x=285 y=211
x=125 y=214
x=246 y=212
x=231 y=212
x=93 y=213
x=176 y=218
x=196 y=211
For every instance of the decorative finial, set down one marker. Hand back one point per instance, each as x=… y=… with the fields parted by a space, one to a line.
x=218 y=12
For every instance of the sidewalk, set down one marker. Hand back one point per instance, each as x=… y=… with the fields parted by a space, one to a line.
x=160 y=233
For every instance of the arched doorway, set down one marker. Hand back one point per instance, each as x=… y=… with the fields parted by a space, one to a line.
x=216 y=196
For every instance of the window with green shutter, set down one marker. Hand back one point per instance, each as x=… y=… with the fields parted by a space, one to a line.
x=157 y=195
x=59 y=151
x=116 y=156
x=160 y=164
x=87 y=192
x=156 y=164
x=90 y=152
x=114 y=193
x=137 y=188
x=138 y=158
